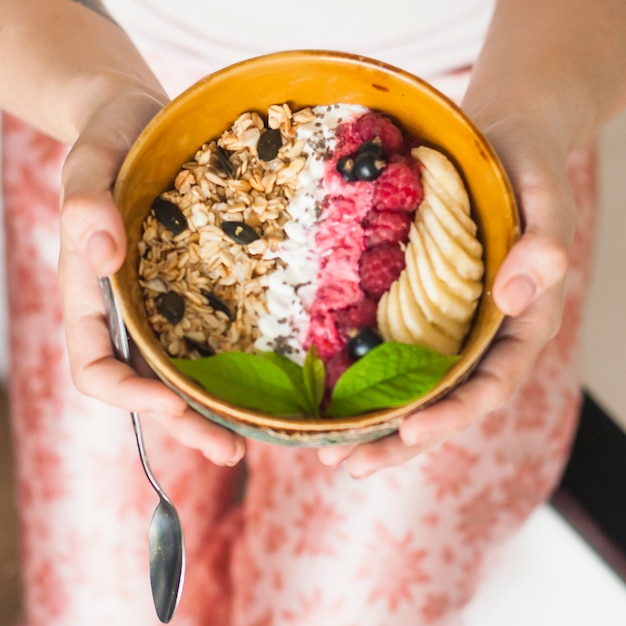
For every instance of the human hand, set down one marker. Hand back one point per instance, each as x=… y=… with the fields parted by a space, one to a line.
x=93 y=244
x=528 y=289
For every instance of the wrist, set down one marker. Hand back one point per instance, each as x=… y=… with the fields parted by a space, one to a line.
x=114 y=92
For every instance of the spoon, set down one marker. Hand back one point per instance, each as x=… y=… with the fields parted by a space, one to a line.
x=166 y=542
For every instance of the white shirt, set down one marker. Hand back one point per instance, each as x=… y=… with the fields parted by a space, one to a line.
x=187 y=39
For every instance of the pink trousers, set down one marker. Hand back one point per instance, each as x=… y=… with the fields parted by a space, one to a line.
x=301 y=545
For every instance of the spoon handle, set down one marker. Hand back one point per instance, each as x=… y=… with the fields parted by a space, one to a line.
x=121 y=347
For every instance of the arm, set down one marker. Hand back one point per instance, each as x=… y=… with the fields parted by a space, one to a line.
x=66 y=59
x=76 y=76
x=549 y=76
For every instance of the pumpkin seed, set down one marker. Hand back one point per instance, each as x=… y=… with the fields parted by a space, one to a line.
x=203 y=349
x=269 y=144
x=171 y=306
x=224 y=161
x=169 y=215
x=240 y=232
x=218 y=304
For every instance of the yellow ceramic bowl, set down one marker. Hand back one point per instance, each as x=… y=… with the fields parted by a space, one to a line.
x=304 y=78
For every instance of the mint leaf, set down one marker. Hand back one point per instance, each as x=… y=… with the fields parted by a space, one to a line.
x=247 y=380
x=391 y=375
x=314 y=376
x=295 y=374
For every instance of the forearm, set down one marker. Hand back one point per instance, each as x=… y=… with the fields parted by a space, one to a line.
x=61 y=61
x=561 y=61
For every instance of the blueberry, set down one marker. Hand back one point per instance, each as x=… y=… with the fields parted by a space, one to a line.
x=345 y=166
x=374 y=146
x=367 y=166
x=362 y=341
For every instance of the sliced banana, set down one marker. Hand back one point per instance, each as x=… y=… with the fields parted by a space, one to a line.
x=429 y=309
x=443 y=176
x=448 y=209
x=395 y=322
x=437 y=217
x=398 y=321
x=439 y=293
x=422 y=331
x=433 y=300
x=462 y=274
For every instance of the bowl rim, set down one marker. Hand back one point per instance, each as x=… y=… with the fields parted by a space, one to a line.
x=191 y=391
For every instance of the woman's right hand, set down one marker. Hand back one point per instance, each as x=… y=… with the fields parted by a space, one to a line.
x=93 y=244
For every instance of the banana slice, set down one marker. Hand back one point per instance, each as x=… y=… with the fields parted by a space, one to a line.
x=442 y=175
x=437 y=218
x=430 y=311
x=461 y=274
x=449 y=303
x=448 y=210
x=469 y=267
x=422 y=331
x=398 y=321
x=395 y=323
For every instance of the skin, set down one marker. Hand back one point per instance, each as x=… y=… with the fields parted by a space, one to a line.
x=97 y=7
x=546 y=81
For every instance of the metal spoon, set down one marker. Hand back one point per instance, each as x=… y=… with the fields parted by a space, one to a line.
x=166 y=542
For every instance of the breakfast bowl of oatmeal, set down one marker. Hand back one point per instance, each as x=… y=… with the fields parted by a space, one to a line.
x=312 y=241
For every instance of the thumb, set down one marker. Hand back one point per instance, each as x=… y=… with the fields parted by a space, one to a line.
x=539 y=260
x=91 y=224
x=534 y=265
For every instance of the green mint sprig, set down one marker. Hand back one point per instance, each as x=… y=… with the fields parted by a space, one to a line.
x=265 y=381
x=391 y=375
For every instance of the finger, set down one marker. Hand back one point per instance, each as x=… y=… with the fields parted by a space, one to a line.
x=90 y=222
x=535 y=264
x=539 y=260
x=219 y=445
x=332 y=456
x=369 y=458
x=94 y=369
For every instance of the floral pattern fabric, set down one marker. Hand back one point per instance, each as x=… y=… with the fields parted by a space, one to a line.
x=291 y=542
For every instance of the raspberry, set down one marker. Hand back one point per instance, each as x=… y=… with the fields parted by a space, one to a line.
x=398 y=188
x=372 y=125
x=358 y=315
x=337 y=365
x=379 y=267
x=386 y=227
x=323 y=334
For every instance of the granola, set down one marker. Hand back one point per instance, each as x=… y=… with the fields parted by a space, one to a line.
x=220 y=281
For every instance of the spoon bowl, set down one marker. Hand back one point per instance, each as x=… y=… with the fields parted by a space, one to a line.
x=167 y=560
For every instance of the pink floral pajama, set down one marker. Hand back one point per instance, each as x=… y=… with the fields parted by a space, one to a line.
x=303 y=545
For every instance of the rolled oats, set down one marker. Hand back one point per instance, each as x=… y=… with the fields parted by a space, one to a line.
x=222 y=282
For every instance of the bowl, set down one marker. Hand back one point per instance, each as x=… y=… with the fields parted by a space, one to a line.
x=307 y=78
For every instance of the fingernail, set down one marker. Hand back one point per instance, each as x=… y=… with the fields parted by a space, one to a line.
x=409 y=436
x=360 y=473
x=99 y=248
x=333 y=457
x=414 y=433
x=235 y=454
x=518 y=294
x=220 y=458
